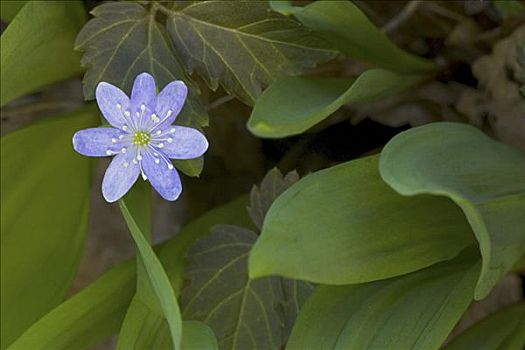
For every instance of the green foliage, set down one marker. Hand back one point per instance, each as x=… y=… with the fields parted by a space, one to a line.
x=44 y=212
x=345 y=225
x=39 y=40
x=243 y=313
x=97 y=311
x=414 y=311
x=503 y=330
x=198 y=336
x=352 y=33
x=87 y=318
x=484 y=178
x=156 y=278
x=292 y=105
x=242 y=45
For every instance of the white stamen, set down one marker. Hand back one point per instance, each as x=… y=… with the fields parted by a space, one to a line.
x=172 y=130
x=137 y=114
x=121 y=137
x=134 y=161
x=170 y=140
x=159 y=132
x=157 y=161
x=108 y=152
x=123 y=150
x=127 y=114
x=169 y=113
x=113 y=140
x=125 y=164
x=170 y=166
x=143 y=107
x=119 y=106
x=144 y=176
x=125 y=128
x=139 y=157
x=160 y=145
x=155 y=118
x=155 y=154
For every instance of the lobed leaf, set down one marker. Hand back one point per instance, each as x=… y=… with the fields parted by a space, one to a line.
x=123 y=40
x=485 y=178
x=262 y=196
x=240 y=311
x=45 y=195
x=352 y=33
x=414 y=311
x=292 y=105
x=39 y=40
x=242 y=45
x=345 y=225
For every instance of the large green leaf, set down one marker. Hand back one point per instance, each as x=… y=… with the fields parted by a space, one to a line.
x=348 y=29
x=345 y=225
x=414 y=311
x=97 y=311
x=504 y=330
x=485 y=178
x=156 y=277
x=242 y=312
x=37 y=47
x=292 y=105
x=45 y=201
x=242 y=44
x=123 y=40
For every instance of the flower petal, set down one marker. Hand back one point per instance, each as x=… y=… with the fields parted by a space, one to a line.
x=112 y=103
x=181 y=142
x=143 y=92
x=120 y=176
x=96 y=142
x=165 y=180
x=170 y=102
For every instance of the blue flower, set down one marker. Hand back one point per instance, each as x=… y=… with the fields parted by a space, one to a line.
x=142 y=138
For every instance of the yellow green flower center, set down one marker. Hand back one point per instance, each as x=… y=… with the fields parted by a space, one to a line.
x=141 y=138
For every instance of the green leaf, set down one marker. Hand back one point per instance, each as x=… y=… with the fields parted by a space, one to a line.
x=198 y=336
x=345 y=225
x=97 y=311
x=45 y=201
x=242 y=45
x=88 y=317
x=414 y=311
x=40 y=41
x=484 y=177
x=292 y=105
x=9 y=9
x=123 y=40
x=240 y=311
x=157 y=278
x=352 y=33
x=262 y=196
x=503 y=330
